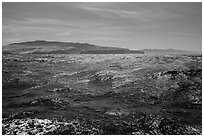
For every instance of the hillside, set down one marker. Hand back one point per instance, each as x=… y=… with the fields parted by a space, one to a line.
x=118 y=51
x=54 y=47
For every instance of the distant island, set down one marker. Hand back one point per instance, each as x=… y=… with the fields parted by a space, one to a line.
x=55 y=47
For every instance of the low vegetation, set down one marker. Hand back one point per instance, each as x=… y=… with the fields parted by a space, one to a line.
x=120 y=94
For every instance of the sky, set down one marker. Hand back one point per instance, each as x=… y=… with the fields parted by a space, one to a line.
x=132 y=25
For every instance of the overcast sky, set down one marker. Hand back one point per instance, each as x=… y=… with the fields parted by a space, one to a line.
x=129 y=25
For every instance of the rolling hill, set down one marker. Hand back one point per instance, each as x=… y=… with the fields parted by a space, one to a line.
x=54 y=47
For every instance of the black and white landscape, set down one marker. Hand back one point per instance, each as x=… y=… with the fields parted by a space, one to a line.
x=147 y=81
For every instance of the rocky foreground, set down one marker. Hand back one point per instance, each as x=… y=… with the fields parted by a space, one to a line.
x=146 y=125
x=102 y=94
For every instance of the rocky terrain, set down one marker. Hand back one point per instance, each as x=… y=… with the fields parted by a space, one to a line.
x=120 y=94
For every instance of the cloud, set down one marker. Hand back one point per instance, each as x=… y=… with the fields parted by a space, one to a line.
x=119 y=12
x=112 y=39
x=12 y=29
x=63 y=33
x=43 y=21
x=100 y=9
x=178 y=33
